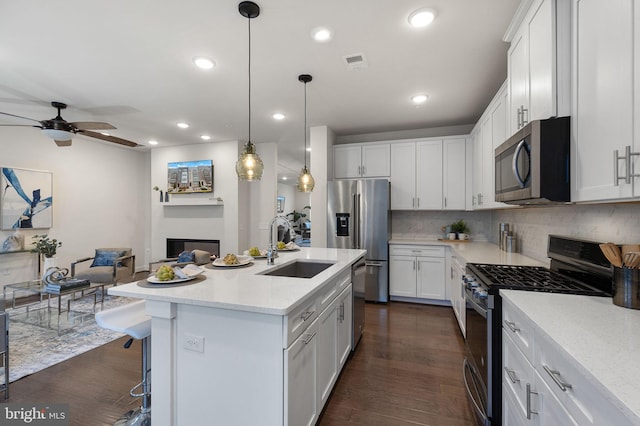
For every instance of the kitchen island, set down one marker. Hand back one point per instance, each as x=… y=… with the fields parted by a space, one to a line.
x=243 y=348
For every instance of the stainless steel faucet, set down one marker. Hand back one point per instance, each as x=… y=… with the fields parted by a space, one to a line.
x=272 y=249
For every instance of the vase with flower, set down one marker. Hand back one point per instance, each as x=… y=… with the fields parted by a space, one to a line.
x=46 y=248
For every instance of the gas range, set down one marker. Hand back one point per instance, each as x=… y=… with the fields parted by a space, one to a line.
x=577 y=267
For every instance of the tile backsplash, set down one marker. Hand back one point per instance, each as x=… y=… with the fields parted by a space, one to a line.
x=618 y=223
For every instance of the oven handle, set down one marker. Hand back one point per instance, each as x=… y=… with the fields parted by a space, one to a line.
x=479 y=309
x=466 y=366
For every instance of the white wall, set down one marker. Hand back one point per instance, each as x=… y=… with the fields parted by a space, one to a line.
x=101 y=196
x=322 y=140
x=200 y=222
x=262 y=203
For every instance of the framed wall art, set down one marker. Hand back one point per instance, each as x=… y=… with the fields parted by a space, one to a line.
x=187 y=177
x=26 y=199
x=280 y=204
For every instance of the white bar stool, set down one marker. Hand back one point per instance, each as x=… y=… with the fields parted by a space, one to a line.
x=132 y=320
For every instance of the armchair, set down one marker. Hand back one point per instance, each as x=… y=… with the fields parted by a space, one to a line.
x=199 y=257
x=109 y=266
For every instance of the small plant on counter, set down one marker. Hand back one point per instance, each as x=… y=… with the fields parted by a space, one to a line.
x=460 y=227
x=45 y=246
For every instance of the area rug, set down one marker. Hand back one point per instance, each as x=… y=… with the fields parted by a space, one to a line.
x=35 y=347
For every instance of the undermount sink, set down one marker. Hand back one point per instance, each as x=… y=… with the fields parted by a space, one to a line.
x=298 y=269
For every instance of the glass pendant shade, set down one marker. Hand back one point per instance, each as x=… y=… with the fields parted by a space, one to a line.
x=249 y=166
x=305 y=181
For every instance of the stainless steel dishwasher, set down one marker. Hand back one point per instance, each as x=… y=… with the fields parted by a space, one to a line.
x=358 y=278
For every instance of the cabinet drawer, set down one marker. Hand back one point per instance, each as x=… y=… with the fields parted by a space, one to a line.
x=331 y=291
x=519 y=328
x=517 y=372
x=298 y=320
x=425 y=251
x=584 y=402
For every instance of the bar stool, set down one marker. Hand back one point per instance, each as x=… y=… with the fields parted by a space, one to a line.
x=132 y=320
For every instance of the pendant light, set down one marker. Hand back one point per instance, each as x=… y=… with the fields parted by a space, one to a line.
x=305 y=180
x=249 y=165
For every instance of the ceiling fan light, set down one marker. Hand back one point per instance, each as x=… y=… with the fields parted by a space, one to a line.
x=305 y=181
x=57 y=135
x=249 y=166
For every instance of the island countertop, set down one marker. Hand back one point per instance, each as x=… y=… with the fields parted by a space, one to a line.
x=241 y=288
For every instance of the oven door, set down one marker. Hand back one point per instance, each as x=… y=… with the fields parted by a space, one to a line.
x=475 y=364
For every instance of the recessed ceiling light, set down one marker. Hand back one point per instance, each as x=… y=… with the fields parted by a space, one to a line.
x=278 y=116
x=422 y=17
x=203 y=63
x=105 y=133
x=183 y=125
x=284 y=178
x=322 y=34
x=153 y=142
x=205 y=137
x=419 y=99
x=309 y=149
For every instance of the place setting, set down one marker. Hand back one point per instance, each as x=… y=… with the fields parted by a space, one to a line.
x=231 y=260
x=173 y=276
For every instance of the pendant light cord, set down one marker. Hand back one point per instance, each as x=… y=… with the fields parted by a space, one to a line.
x=249 y=23
x=305 y=125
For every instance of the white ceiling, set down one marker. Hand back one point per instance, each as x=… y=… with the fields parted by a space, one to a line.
x=130 y=63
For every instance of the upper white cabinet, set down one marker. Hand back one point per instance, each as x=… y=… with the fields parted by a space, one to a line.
x=537 y=66
x=428 y=174
x=489 y=133
x=606 y=100
x=361 y=160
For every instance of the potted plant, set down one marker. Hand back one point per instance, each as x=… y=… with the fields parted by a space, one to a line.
x=47 y=248
x=296 y=217
x=461 y=229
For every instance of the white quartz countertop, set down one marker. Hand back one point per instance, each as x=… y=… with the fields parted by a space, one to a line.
x=602 y=338
x=476 y=252
x=240 y=288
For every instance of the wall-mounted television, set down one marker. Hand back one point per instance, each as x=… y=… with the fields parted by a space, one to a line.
x=188 y=177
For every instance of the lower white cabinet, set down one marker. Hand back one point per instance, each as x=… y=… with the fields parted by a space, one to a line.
x=541 y=384
x=314 y=360
x=456 y=291
x=417 y=271
x=301 y=364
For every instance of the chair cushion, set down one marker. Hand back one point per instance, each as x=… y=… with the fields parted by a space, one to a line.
x=107 y=257
x=186 y=256
x=201 y=257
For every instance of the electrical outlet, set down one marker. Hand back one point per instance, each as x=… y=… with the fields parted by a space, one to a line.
x=193 y=343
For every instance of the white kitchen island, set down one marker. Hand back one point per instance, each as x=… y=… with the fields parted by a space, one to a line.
x=240 y=348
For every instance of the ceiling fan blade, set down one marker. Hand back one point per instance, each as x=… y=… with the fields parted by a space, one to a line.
x=108 y=138
x=20 y=125
x=19 y=116
x=63 y=143
x=91 y=125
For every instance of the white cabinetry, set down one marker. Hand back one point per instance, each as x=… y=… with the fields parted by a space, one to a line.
x=417 y=272
x=428 y=174
x=456 y=291
x=489 y=133
x=606 y=94
x=361 y=160
x=538 y=74
x=541 y=384
x=300 y=384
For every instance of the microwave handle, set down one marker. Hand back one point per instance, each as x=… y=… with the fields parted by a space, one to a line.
x=514 y=165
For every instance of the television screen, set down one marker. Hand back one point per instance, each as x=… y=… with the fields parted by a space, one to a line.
x=188 y=177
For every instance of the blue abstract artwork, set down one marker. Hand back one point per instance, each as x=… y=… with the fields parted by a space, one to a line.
x=26 y=199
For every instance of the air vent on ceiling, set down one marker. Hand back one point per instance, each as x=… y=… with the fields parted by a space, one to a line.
x=356 y=60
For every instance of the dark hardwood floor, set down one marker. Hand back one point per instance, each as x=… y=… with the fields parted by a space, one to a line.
x=407 y=370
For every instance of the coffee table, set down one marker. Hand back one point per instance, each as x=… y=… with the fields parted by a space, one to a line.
x=37 y=287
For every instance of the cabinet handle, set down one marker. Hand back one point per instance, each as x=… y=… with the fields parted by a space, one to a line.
x=418 y=198
x=512 y=326
x=512 y=375
x=364 y=170
x=473 y=200
x=627 y=163
x=445 y=202
x=524 y=110
x=529 y=410
x=519 y=117
x=307 y=315
x=414 y=264
x=555 y=375
x=308 y=338
x=341 y=316
x=418 y=263
x=480 y=199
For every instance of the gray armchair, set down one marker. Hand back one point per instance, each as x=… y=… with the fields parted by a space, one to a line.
x=199 y=257
x=110 y=265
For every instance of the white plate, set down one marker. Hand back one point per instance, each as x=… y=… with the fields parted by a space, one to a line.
x=153 y=280
x=263 y=254
x=291 y=246
x=242 y=260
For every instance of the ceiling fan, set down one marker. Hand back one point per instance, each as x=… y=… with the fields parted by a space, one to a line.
x=61 y=131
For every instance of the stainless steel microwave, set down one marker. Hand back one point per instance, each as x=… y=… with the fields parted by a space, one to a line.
x=532 y=166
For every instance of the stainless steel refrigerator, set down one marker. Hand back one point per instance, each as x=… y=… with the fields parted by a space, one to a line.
x=358 y=217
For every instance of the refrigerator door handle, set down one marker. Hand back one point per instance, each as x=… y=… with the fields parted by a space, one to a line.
x=355 y=240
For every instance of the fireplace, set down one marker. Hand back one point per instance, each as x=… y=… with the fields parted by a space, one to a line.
x=175 y=246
